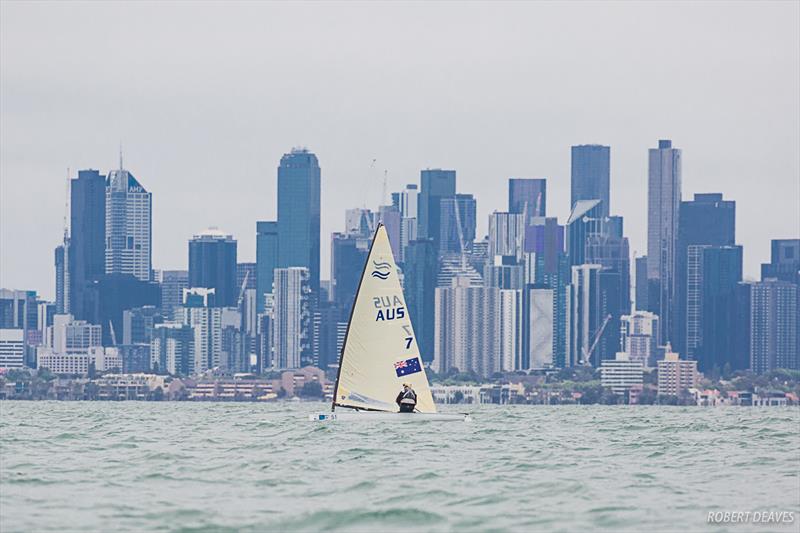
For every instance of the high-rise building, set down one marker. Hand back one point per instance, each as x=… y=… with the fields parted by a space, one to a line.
x=390 y=217
x=108 y=296
x=640 y=337
x=139 y=323
x=212 y=265
x=591 y=175
x=545 y=238
x=585 y=320
x=12 y=348
x=511 y=330
x=527 y=196
x=713 y=274
x=676 y=375
x=299 y=213
x=359 y=222
x=467 y=328
x=436 y=184
x=129 y=231
x=641 y=283
x=505 y=272
x=292 y=328
x=19 y=310
x=663 y=211
x=70 y=336
x=406 y=201
x=62 y=277
x=773 y=326
x=585 y=220
x=708 y=220
x=172 y=284
x=209 y=324
x=266 y=259
x=539 y=308
x=506 y=234
x=457 y=223
x=87 y=238
x=419 y=283
x=172 y=348
x=348 y=256
x=785 y=261
x=245 y=276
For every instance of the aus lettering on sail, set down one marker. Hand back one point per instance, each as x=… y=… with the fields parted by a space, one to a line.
x=388 y=307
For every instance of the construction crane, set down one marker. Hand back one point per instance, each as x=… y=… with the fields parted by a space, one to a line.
x=588 y=354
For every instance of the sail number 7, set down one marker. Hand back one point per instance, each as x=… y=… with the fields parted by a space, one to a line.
x=409 y=340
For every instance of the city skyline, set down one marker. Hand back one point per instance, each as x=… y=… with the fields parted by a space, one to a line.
x=194 y=140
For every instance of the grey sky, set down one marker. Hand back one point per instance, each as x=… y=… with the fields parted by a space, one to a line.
x=206 y=98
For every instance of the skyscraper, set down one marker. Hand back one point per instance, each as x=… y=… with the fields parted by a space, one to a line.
x=62 y=278
x=419 y=284
x=266 y=259
x=128 y=226
x=212 y=265
x=663 y=212
x=87 y=241
x=773 y=326
x=527 y=196
x=585 y=220
x=292 y=327
x=172 y=284
x=591 y=175
x=457 y=221
x=348 y=255
x=784 y=261
x=299 y=213
x=641 y=283
x=708 y=220
x=436 y=184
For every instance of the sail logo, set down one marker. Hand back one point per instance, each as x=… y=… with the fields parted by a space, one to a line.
x=381 y=270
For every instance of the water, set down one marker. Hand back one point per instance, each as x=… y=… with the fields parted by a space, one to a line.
x=264 y=467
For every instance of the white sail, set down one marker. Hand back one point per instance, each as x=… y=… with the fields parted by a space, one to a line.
x=380 y=350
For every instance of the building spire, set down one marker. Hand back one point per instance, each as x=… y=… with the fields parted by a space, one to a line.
x=120 y=155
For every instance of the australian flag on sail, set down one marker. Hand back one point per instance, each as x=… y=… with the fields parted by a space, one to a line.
x=409 y=366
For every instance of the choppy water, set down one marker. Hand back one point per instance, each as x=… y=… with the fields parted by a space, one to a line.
x=249 y=467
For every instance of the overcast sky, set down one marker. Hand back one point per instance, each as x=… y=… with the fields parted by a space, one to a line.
x=207 y=97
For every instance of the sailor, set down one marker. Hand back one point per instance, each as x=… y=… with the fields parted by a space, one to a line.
x=407 y=399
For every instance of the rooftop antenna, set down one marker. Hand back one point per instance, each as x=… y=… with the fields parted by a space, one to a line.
x=120 y=155
x=66 y=209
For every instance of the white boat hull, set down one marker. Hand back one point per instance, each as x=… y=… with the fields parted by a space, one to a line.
x=393 y=417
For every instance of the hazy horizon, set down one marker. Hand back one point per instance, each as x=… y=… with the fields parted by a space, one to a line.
x=206 y=97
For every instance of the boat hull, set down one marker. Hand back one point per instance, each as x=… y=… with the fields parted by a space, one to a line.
x=393 y=417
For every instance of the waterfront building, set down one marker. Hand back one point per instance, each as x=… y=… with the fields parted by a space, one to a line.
x=457 y=220
x=63 y=363
x=586 y=319
x=12 y=348
x=266 y=259
x=212 y=265
x=128 y=226
x=135 y=357
x=773 y=326
x=591 y=175
x=419 y=284
x=663 y=211
x=87 y=237
x=173 y=282
x=467 y=327
x=436 y=184
x=506 y=234
x=299 y=177
x=707 y=220
x=621 y=374
x=676 y=375
x=640 y=337
x=105 y=359
x=292 y=328
x=527 y=196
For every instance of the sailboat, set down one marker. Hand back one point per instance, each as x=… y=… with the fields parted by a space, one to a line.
x=380 y=351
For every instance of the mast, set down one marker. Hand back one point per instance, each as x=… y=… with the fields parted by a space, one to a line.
x=350 y=320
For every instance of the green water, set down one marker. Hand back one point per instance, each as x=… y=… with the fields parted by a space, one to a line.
x=128 y=466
